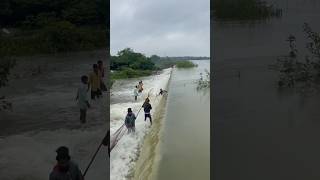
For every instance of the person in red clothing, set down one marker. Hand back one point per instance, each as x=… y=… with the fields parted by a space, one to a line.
x=65 y=169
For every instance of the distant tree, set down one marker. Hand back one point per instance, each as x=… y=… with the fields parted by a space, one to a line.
x=127 y=58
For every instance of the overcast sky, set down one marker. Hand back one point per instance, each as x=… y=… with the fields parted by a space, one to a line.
x=162 y=27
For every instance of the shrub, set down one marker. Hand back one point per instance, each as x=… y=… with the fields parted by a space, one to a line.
x=185 y=64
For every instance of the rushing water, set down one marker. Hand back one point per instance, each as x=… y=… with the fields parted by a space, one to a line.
x=179 y=147
x=261 y=132
x=46 y=116
x=125 y=153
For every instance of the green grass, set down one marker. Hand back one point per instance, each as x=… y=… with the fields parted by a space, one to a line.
x=185 y=64
x=53 y=39
x=129 y=73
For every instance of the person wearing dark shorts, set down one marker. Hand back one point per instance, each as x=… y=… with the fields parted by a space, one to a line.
x=147 y=108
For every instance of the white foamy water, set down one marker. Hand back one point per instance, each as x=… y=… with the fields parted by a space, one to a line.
x=45 y=116
x=124 y=154
x=31 y=155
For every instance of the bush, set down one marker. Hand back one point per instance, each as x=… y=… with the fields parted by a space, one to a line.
x=129 y=73
x=305 y=72
x=5 y=66
x=185 y=64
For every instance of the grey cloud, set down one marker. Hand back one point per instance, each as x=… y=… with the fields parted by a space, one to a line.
x=163 y=27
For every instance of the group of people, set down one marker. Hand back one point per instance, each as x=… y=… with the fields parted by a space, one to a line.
x=131 y=117
x=93 y=82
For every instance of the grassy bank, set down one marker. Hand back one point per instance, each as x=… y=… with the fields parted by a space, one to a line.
x=244 y=10
x=130 y=73
x=58 y=37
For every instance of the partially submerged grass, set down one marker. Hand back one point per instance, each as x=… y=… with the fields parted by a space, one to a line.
x=185 y=64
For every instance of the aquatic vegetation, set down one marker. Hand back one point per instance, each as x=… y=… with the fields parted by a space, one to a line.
x=6 y=64
x=244 y=10
x=185 y=64
x=297 y=72
x=204 y=82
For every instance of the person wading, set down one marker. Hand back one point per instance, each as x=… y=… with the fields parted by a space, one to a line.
x=136 y=93
x=101 y=70
x=95 y=82
x=82 y=98
x=130 y=121
x=147 y=108
x=65 y=169
x=140 y=87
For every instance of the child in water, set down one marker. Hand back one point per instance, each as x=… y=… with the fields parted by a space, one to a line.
x=82 y=98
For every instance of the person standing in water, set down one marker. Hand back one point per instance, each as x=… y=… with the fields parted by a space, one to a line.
x=102 y=69
x=65 y=169
x=147 y=108
x=136 y=93
x=82 y=98
x=95 y=82
x=130 y=121
x=140 y=86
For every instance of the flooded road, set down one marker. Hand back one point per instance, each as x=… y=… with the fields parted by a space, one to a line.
x=261 y=132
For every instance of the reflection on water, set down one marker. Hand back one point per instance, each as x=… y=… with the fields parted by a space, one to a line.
x=259 y=131
x=185 y=143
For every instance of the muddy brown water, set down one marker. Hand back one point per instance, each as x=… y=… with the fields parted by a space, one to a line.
x=258 y=131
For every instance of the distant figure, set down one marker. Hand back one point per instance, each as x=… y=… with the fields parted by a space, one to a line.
x=162 y=92
x=95 y=82
x=106 y=141
x=82 y=98
x=65 y=169
x=136 y=93
x=147 y=108
x=101 y=70
x=140 y=87
x=130 y=121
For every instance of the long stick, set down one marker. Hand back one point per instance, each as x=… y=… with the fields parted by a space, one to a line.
x=92 y=159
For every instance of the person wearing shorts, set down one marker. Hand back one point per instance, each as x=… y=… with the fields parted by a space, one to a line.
x=147 y=108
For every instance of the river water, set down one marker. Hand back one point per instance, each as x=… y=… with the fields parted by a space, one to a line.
x=179 y=147
x=261 y=132
x=46 y=116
